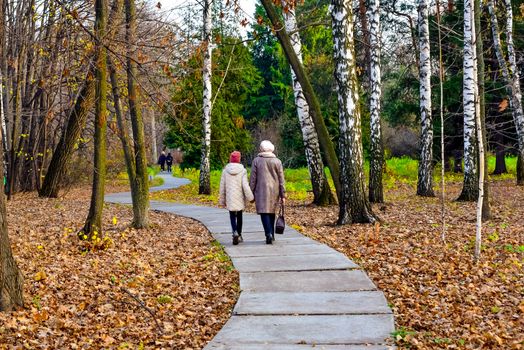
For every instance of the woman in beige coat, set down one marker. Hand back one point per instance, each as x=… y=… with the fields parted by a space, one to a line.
x=234 y=191
x=267 y=184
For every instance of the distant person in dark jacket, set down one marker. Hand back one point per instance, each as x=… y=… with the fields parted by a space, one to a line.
x=162 y=161
x=169 y=161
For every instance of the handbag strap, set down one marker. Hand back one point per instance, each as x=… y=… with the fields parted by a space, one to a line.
x=281 y=212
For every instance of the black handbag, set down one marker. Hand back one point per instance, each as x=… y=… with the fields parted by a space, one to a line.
x=280 y=224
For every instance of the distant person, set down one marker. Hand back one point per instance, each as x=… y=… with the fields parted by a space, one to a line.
x=162 y=161
x=234 y=192
x=169 y=161
x=267 y=184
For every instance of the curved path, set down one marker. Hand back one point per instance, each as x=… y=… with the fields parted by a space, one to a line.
x=295 y=294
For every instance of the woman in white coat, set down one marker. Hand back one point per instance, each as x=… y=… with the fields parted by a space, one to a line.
x=234 y=192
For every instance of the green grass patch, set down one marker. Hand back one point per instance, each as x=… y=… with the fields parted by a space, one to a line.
x=298 y=184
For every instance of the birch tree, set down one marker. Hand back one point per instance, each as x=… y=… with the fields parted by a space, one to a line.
x=511 y=76
x=353 y=203
x=376 y=193
x=479 y=45
x=470 y=96
x=93 y=224
x=326 y=144
x=321 y=191
x=204 y=182
x=425 y=166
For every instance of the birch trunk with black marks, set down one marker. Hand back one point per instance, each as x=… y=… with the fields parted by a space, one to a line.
x=140 y=183
x=376 y=192
x=204 y=181
x=326 y=145
x=93 y=224
x=353 y=203
x=511 y=76
x=425 y=165
x=470 y=183
x=475 y=20
x=321 y=192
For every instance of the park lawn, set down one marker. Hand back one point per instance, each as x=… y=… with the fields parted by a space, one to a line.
x=439 y=297
x=79 y=295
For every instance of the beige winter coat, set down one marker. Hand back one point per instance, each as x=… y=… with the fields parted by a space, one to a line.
x=234 y=188
x=267 y=182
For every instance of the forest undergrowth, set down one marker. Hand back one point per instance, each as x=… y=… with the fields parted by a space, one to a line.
x=167 y=287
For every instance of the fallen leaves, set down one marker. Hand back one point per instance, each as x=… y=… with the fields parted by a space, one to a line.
x=441 y=299
x=77 y=298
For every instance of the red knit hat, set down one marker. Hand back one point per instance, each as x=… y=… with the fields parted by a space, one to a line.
x=234 y=157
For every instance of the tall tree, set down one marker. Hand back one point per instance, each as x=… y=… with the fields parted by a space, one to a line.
x=204 y=182
x=321 y=191
x=353 y=203
x=376 y=192
x=11 y=280
x=479 y=46
x=323 y=136
x=470 y=98
x=425 y=167
x=140 y=195
x=472 y=18
x=76 y=122
x=511 y=76
x=93 y=224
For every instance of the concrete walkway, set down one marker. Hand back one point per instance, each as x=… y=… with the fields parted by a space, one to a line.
x=295 y=294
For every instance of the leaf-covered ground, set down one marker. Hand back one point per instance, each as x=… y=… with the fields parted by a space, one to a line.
x=168 y=287
x=440 y=298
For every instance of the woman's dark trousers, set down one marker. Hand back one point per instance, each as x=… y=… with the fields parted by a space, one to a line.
x=236 y=221
x=268 y=221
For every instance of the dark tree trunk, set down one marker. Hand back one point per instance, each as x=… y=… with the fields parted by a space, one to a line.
x=140 y=181
x=93 y=224
x=500 y=161
x=323 y=136
x=11 y=281
x=457 y=161
x=64 y=150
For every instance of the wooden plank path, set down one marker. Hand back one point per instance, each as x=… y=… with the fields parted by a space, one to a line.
x=295 y=294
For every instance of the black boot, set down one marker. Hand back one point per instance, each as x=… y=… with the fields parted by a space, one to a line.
x=269 y=240
x=235 y=237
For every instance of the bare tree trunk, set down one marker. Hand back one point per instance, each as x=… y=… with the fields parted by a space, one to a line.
x=425 y=167
x=470 y=186
x=11 y=280
x=75 y=124
x=326 y=144
x=153 y=135
x=205 y=181
x=376 y=165
x=511 y=76
x=140 y=195
x=93 y=224
x=122 y=125
x=474 y=20
x=353 y=204
x=486 y=210
x=443 y=159
x=321 y=191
